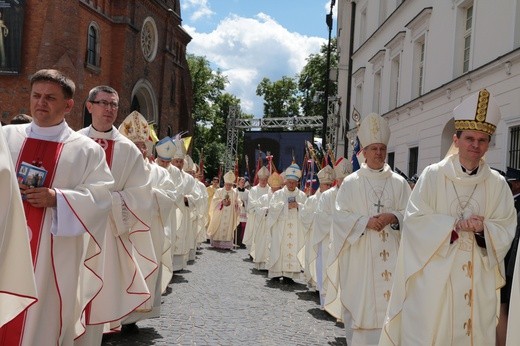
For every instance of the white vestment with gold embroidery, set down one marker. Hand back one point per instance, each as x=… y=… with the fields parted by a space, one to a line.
x=446 y=291
x=362 y=260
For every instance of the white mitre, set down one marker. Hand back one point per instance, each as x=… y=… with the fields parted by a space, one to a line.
x=229 y=177
x=135 y=128
x=373 y=129
x=326 y=175
x=342 y=168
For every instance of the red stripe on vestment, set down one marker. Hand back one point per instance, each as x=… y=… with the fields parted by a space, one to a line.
x=46 y=154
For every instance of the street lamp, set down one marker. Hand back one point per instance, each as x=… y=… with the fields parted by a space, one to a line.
x=328 y=20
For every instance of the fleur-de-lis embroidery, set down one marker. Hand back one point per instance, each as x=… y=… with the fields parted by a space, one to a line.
x=290 y=256
x=384 y=254
x=387 y=295
x=289 y=235
x=386 y=275
x=468 y=325
x=290 y=224
x=290 y=245
x=469 y=296
x=468 y=268
x=383 y=235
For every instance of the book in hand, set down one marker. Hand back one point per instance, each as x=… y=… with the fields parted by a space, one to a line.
x=31 y=175
x=291 y=199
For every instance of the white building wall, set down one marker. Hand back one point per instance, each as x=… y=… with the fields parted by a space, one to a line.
x=421 y=120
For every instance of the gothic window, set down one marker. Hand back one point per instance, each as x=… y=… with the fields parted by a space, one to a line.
x=93 y=56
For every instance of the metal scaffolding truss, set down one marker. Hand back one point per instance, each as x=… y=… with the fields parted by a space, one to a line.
x=236 y=126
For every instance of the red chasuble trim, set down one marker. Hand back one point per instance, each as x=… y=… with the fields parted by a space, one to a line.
x=44 y=154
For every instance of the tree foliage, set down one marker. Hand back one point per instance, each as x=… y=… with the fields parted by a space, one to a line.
x=210 y=111
x=313 y=77
x=281 y=97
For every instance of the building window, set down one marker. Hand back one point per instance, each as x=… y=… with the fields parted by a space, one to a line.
x=376 y=107
x=382 y=12
x=359 y=98
x=419 y=49
x=413 y=160
x=467 y=39
x=395 y=71
x=418 y=32
x=149 y=39
x=391 y=160
x=362 y=26
x=93 y=45
x=514 y=147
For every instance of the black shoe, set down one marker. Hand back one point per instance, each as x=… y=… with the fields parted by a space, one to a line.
x=242 y=246
x=287 y=281
x=131 y=328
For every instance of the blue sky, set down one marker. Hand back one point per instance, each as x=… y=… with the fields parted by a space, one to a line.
x=252 y=39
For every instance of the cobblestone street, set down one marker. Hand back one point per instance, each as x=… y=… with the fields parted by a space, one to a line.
x=222 y=300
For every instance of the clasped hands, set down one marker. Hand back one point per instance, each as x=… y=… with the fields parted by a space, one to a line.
x=380 y=221
x=475 y=224
x=39 y=197
x=292 y=205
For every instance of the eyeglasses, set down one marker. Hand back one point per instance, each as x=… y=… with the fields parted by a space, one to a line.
x=106 y=104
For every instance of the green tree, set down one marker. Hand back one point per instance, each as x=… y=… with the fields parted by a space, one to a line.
x=312 y=79
x=281 y=97
x=210 y=111
x=208 y=87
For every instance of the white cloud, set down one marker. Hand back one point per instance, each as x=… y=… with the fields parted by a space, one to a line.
x=200 y=9
x=249 y=49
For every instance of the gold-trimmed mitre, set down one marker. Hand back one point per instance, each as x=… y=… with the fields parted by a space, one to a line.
x=229 y=177
x=275 y=180
x=326 y=175
x=189 y=165
x=479 y=112
x=263 y=172
x=373 y=129
x=342 y=168
x=135 y=127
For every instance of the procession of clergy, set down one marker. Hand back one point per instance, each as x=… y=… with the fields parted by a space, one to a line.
x=94 y=248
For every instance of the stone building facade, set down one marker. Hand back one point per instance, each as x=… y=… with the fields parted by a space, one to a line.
x=414 y=61
x=138 y=47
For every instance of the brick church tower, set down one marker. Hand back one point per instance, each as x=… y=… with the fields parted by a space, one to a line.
x=137 y=47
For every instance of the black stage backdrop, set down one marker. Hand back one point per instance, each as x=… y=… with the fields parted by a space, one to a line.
x=280 y=144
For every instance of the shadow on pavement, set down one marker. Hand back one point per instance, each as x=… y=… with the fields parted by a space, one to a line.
x=321 y=315
x=146 y=336
x=228 y=251
x=290 y=286
x=168 y=291
x=258 y=272
x=178 y=279
x=338 y=342
x=309 y=296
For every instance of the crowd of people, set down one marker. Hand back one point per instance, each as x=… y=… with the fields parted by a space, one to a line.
x=91 y=250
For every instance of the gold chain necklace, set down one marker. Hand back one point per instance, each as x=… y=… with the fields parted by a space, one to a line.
x=461 y=213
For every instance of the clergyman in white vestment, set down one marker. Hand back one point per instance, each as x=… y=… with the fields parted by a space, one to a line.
x=66 y=216
x=458 y=227
x=365 y=236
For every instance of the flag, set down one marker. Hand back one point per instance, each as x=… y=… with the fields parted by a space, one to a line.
x=270 y=164
x=219 y=173
x=259 y=163
x=355 y=162
x=201 y=166
x=236 y=170
x=187 y=142
x=246 y=173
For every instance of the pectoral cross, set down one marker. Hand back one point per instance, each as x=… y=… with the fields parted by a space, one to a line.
x=378 y=205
